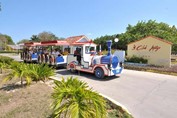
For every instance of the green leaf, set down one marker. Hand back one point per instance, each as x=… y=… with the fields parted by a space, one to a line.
x=75 y=99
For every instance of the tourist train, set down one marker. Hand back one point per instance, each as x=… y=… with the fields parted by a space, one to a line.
x=76 y=53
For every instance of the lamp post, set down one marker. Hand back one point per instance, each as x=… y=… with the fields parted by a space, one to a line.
x=116 y=40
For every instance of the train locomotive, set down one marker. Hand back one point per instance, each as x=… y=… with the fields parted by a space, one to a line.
x=100 y=65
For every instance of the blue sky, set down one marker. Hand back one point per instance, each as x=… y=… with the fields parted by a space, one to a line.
x=20 y=19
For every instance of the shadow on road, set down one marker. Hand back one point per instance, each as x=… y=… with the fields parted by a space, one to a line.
x=65 y=72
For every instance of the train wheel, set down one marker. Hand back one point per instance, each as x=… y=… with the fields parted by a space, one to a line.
x=99 y=73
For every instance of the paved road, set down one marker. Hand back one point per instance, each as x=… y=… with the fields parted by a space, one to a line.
x=145 y=94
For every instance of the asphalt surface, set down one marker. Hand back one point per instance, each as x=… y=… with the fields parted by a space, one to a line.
x=144 y=94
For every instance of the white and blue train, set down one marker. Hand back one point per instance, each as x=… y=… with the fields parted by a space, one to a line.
x=82 y=57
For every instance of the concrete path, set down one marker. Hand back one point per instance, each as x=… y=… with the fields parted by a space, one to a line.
x=144 y=94
x=15 y=56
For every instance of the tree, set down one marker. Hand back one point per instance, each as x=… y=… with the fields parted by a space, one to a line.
x=143 y=29
x=73 y=99
x=47 y=36
x=44 y=36
x=60 y=38
x=102 y=41
x=6 y=38
x=9 y=40
x=3 y=41
x=23 y=41
x=35 y=38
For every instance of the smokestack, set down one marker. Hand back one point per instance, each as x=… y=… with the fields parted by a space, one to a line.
x=109 y=43
x=100 y=48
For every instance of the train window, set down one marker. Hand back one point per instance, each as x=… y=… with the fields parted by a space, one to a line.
x=88 y=49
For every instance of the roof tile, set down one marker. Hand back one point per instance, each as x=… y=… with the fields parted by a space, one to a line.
x=74 y=39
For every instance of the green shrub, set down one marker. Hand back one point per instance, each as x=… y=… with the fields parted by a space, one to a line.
x=3 y=66
x=6 y=60
x=136 y=59
x=15 y=51
x=40 y=71
x=19 y=71
x=28 y=72
x=73 y=99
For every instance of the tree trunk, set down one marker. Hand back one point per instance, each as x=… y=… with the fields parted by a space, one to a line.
x=21 y=81
x=45 y=79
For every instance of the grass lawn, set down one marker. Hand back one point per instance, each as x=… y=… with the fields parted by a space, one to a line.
x=34 y=101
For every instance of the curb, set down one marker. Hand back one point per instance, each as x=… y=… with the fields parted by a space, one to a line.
x=116 y=103
x=108 y=98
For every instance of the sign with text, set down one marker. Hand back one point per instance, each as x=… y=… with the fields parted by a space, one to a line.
x=152 y=48
x=157 y=51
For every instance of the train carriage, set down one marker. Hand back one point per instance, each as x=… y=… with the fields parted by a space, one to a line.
x=36 y=52
x=29 y=53
x=54 y=59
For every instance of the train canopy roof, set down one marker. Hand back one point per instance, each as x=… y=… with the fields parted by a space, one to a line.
x=32 y=44
x=72 y=41
x=54 y=43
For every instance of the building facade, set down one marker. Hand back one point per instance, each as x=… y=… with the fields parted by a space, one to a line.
x=157 y=51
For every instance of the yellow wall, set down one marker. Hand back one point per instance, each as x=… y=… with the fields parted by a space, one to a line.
x=156 y=51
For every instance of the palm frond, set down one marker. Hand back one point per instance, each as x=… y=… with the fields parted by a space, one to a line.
x=19 y=70
x=73 y=98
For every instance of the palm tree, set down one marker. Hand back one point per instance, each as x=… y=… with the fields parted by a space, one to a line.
x=73 y=99
x=21 y=71
x=41 y=72
x=4 y=41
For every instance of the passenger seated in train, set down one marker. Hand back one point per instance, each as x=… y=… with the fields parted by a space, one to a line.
x=92 y=52
x=65 y=51
x=56 y=53
x=31 y=51
x=60 y=53
x=77 y=53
